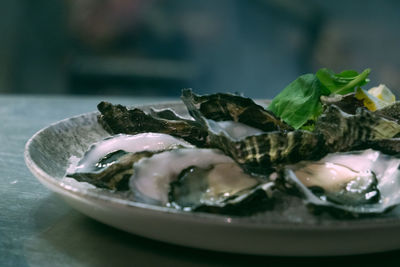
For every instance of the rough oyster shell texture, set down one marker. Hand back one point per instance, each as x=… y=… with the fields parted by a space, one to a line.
x=339 y=129
x=118 y=119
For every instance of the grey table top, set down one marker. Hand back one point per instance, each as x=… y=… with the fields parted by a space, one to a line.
x=39 y=229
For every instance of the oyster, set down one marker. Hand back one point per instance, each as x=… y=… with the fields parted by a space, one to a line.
x=234 y=130
x=118 y=119
x=262 y=153
x=196 y=179
x=223 y=188
x=228 y=107
x=391 y=112
x=153 y=175
x=113 y=171
x=359 y=182
x=109 y=163
x=343 y=131
x=167 y=114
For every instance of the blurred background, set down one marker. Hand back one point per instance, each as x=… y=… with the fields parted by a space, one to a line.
x=155 y=47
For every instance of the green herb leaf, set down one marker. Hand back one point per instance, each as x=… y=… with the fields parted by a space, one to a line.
x=342 y=83
x=299 y=101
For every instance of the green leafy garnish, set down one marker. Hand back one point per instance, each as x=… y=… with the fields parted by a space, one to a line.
x=299 y=103
x=344 y=82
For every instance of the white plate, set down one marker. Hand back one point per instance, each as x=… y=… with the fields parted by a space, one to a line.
x=287 y=230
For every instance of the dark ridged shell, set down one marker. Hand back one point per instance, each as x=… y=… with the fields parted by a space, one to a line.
x=391 y=112
x=118 y=119
x=228 y=107
x=343 y=131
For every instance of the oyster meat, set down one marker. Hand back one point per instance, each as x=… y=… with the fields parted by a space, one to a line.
x=197 y=179
x=109 y=163
x=358 y=182
x=223 y=188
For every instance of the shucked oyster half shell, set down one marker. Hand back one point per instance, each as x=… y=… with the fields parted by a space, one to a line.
x=229 y=107
x=195 y=179
x=224 y=188
x=109 y=162
x=119 y=119
x=359 y=182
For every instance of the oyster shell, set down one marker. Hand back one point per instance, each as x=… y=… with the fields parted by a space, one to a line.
x=152 y=177
x=234 y=130
x=261 y=153
x=113 y=171
x=167 y=114
x=229 y=107
x=343 y=131
x=359 y=182
x=391 y=112
x=118 y=119
x=223 y=188
x=109 y=163
x=387 y=146
x=198 y=180
x=347 y=103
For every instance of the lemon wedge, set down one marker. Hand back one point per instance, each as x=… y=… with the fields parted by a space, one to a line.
x=383 y=93
x=370 y=101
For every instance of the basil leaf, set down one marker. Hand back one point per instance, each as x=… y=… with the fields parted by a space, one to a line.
x=342 y=83
x=299 y=101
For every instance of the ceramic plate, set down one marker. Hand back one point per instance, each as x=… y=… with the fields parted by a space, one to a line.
x=289 y=229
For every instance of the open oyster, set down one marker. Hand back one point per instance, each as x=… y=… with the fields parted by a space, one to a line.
x=343 y=131
x=228 y=107
x=391 y=112
x=223 y=188
x=109 y=163
x=118 y=119
x=359 y=182
x=200 y=180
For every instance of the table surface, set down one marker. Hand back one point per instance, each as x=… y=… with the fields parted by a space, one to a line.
x=39 y=229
